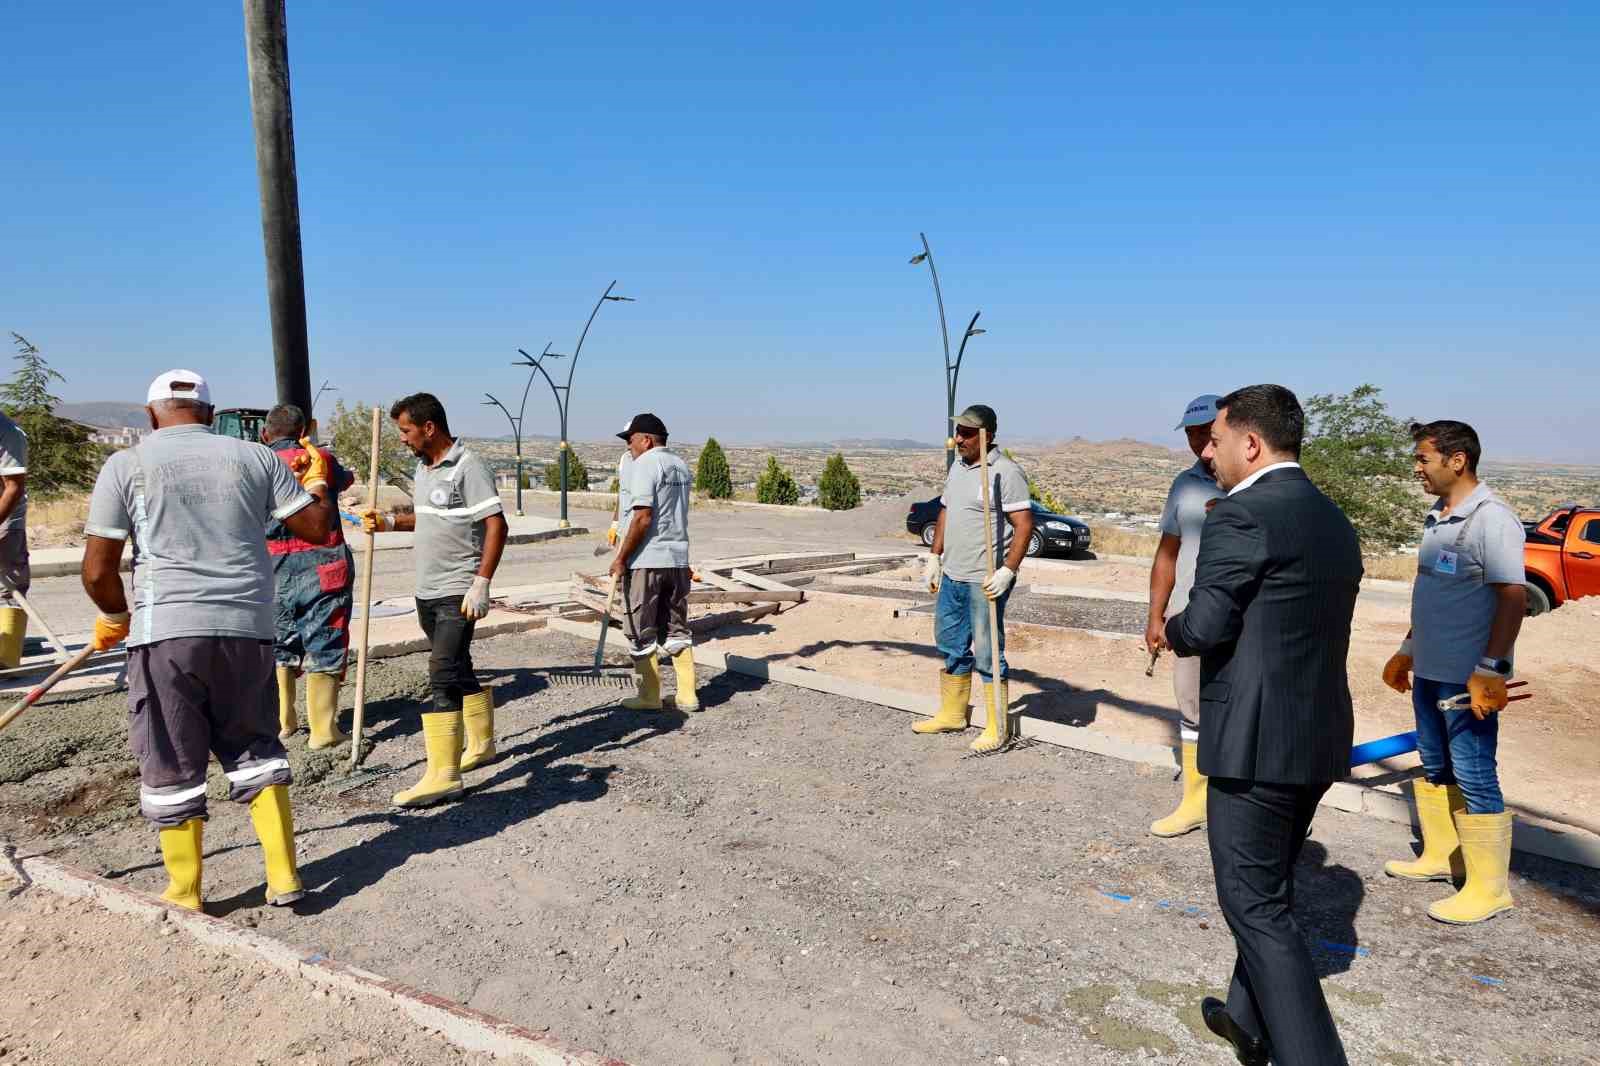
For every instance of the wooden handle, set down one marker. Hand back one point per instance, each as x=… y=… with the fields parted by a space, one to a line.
x=999 y=708
x=365 y=633
x=605 y=627
x=38 y=691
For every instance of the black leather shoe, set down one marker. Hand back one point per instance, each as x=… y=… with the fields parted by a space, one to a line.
x=1249 y=1050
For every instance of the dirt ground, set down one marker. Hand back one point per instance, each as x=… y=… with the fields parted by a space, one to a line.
x=1549 y=745
x=793 y=877
x=81 y=981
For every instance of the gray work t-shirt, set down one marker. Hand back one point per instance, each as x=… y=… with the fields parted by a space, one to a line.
x=624 y=501
x=1453 y=604
x=13 y=462
x=965 y=558
x=1184 y=518
x=197 y=507
x=661 y=481
x=451 y=499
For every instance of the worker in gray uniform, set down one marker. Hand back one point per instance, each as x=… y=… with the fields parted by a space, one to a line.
x=461 y=531
x=1194 y=492
x=200 y=663
x=14 y=568
x=652 y=565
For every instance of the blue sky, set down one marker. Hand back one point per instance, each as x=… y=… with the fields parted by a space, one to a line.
x=1143 y=205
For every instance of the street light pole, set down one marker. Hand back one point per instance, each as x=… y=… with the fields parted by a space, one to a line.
x=516 y=425
x=952 y=371
x=324 y=387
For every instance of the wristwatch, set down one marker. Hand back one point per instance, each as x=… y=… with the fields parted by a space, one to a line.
x=1499 y=666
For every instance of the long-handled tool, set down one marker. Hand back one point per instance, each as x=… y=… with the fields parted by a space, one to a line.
x=598 y=675
x=365 y=633
x=1150 y=670
x=37 y=619
x=37 y=692
x=999 y=709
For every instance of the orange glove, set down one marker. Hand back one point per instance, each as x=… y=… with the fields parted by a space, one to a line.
x=109 y=631
x=312 y=467
x=1488 y=692
x=1397 y=671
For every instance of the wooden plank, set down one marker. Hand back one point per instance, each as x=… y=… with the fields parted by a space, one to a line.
x=799 y=563
x=747 y=596
x=711 y=577
x=717 y=621
x=759 y=582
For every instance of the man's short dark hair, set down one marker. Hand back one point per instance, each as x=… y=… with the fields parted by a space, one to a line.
x=286 y=421
x=1270 y=411
x=1450 y=437
x=421 y=408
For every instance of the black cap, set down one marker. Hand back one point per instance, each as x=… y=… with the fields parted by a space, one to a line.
x=645 y=423
x=978 y=416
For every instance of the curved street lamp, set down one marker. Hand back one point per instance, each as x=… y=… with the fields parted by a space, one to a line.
x=952 y=371
x=516 y=425
x=563 y=393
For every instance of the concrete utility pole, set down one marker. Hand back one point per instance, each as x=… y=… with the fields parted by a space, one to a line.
x=266 y=40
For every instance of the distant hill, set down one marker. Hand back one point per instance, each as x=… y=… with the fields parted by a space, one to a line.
x=105 y=415
x=883 y=444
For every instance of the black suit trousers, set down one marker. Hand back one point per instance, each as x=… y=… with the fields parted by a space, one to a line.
x=1256 y=831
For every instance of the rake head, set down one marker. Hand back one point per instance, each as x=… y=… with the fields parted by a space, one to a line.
x=588 y=677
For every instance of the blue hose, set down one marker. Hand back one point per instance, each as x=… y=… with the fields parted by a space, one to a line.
x=1383 y=748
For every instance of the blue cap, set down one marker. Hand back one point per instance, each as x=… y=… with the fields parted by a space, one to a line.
x=1201 y=410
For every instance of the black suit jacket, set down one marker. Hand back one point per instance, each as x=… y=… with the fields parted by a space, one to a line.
x=1275 y=587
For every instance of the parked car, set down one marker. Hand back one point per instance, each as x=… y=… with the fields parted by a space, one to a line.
x=1562 y=557
x=1051 y=532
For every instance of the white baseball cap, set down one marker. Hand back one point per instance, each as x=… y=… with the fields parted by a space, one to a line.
x=1201 y=409
x=179 y=385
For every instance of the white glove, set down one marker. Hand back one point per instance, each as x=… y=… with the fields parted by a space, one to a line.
x=475 y=604
x=933 y=570
x=998 y=582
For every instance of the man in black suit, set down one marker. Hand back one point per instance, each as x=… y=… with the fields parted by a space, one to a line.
x=1275 y=587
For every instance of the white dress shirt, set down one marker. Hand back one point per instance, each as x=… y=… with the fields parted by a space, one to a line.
x=1253 y=478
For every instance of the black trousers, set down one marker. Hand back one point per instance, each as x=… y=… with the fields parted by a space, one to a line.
x=1256 y=831
x=450 y=673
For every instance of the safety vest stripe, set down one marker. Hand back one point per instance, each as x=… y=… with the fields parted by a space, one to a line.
x=459 y=512
x=250 y=773
x=170 y=799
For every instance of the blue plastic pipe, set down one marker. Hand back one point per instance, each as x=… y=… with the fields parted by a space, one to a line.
x=1383 y=748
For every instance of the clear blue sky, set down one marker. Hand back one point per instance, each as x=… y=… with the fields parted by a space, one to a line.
x=1144 y=206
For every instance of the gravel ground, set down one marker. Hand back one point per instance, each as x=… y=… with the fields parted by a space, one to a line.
x=793 y=877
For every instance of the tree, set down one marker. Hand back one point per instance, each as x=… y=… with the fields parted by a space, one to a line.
x=350 y=431
x=837 y=488
x=1360 y=456
x=577 y=474
x=776 y=485
x=60 y=455
x=711 y=473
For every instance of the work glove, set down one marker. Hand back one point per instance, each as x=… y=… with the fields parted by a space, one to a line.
x=311 y=466
x=109 y=631
x=933 y=571
x=1488 y=690
x=1397 y=671
x=372 y=521
x=999 y=582
x=475 y=604
x=612 y=535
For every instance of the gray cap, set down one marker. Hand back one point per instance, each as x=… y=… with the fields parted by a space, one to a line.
x=1201 y=410
x=978 y=416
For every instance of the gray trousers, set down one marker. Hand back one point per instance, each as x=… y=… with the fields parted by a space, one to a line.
x=1186 y=686
x=14 y=566
x=656 y=603
x=190 y=698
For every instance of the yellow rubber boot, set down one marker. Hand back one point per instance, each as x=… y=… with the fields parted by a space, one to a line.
x=997 y=734
x=1191 y=812
x=441 y=735
x=288 y=722
x=955 y=694
x=1441 y=849
x=180 y=853
x=13 y=628
x=274 y=823
x=1486 y=853
x=322 y=711
x=686 y=698
x=648 y=673
x=477 y=717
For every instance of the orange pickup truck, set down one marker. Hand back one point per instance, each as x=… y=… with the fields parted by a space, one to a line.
x=1562 y=557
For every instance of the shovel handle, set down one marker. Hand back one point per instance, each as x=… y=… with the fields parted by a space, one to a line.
x=38 y=691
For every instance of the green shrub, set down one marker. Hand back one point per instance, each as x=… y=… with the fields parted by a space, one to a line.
x=776 y=485
x=837 y=488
